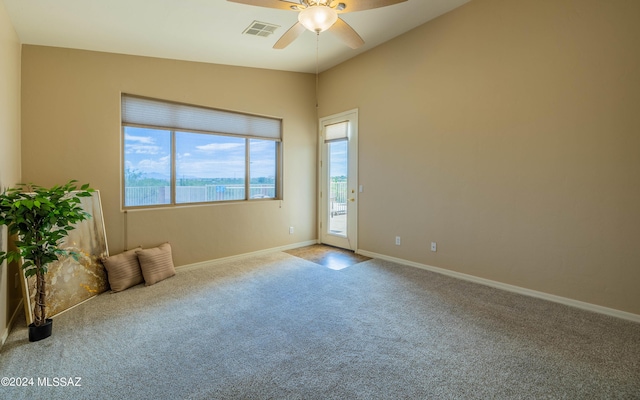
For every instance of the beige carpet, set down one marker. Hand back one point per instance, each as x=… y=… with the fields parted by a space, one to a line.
x=280 y=327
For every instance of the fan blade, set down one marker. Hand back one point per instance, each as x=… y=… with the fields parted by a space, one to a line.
x=347 y=34
x=289 y=36
x=361 y=5
x=280 y=5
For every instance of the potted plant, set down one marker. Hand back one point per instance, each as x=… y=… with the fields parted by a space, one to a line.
x=40 y=218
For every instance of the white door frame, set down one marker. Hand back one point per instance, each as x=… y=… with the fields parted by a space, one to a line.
x=351 y=240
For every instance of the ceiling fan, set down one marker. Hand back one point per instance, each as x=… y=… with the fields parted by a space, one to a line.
x=320 y=15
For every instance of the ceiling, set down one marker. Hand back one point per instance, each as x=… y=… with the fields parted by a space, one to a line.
x=208 y=31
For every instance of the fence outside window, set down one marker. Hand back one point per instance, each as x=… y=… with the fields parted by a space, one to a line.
x=150 y=195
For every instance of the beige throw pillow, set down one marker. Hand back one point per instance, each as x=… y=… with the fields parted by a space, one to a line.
x=123 y=270
x=156 y=263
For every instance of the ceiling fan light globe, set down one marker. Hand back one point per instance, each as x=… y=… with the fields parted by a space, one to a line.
x=318 y=18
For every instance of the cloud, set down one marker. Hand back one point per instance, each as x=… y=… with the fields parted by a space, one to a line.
x=141 y=145
x=142 y=149
x=160 y=165
x=139 y=139
x=211 y=147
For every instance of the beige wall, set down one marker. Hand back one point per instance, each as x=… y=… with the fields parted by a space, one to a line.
x=509 y=133
x=9 y=151
x=71 y=129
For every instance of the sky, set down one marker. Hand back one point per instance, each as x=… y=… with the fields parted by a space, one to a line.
x=338 y=158
x=198 y=155
x=207 y=156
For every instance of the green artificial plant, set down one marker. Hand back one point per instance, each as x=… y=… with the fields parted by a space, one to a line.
x=40 y=218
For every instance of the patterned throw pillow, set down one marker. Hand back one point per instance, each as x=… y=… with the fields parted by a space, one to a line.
x=123 y=270
x=156 y=263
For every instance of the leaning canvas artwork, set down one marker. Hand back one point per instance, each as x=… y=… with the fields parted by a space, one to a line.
x=71 y=282
x=3 y=244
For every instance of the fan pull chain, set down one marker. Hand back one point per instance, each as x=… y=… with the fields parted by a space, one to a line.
x=317 y=60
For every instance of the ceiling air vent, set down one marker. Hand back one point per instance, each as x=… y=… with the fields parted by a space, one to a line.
x=258 y=28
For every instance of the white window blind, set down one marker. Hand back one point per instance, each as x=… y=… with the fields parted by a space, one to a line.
x=156 y=113
x=336 y=132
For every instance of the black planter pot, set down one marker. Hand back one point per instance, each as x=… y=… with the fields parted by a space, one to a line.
x=40 y=332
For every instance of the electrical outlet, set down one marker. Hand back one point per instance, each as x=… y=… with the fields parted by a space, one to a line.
x=434 y=246
x=397 y=240
x=291 y=230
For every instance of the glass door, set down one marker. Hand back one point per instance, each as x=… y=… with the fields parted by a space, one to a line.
x=338 y=194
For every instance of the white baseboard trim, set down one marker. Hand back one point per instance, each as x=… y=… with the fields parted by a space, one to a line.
x=511 y=288
x=12 y=321
x=209 y=263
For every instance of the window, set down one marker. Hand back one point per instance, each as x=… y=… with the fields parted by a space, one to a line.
x=180 y=154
